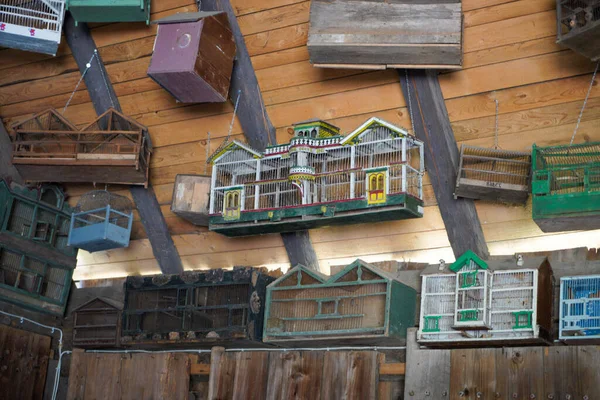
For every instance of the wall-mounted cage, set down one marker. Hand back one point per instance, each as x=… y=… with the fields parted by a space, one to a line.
x=193 y=56
x=195 y=308
x=579 y=307
x=101 y=221
x=360 y=304
x=32 y=25
x=112 y=149
x=191 y=198
x=473 y=304
x=579 y=26
x=385 y=34
x=320 y=178
x=35 y=263
x=109 y=10
x=97 y=323
x=566 y=187
x=493 y=174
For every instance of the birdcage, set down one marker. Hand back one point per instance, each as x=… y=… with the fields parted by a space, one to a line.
x=101 y=221
x=579 y=26
x=109 y=10
x=493 y=174
x=580 y=307
x=97 y=323
x=112 y=149
x=195 y=307
x=31 y=25
x=359 y=304
x=566 y=187
x=471 y=303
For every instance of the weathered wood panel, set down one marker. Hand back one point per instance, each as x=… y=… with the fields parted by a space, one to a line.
x=24 y=360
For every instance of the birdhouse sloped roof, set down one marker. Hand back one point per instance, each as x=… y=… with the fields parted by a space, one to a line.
x=233 y=145
x=113 y=120
x=186 y=17
x=99 y=302
x=465 y=258
x=46 y=121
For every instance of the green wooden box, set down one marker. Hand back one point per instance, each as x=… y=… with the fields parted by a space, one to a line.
x=109 y=10
x=360 y=304
x=566 y=187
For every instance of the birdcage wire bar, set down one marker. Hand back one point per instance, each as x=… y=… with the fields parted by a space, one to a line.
x=580 y=307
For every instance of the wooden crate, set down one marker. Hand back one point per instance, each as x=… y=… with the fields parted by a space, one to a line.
x=193 y=56
x=36 y=264
x=579 y=26
x=191 y=198
x=97 y=323
x=360 y=304
x=109 y=10
x=476 y=303
x=195 y=308
x=493 y=174
x=112 y=149
x=381 y=34
x=320 y=178
x=565 y=187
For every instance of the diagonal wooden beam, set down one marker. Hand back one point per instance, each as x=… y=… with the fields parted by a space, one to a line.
x=256 y=124
x=432 y=126
x=103 y=97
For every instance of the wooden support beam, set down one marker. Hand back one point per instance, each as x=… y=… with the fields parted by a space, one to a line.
x=432 y=126
x=200 y=369
x=255 y=122
x=7 y=169
x=103 y=97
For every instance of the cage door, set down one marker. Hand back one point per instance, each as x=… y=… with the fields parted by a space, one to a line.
x=232 y=204
x=472 y=299
x=376 y=187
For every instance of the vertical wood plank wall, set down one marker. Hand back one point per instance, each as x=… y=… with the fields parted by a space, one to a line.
x=510 y=54
x=23 y=363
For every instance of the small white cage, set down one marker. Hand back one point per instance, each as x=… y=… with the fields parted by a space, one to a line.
x=473 y=303
x=32 y=25
x=580 y=307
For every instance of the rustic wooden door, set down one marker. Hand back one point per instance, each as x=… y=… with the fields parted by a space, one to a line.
x=23 y=363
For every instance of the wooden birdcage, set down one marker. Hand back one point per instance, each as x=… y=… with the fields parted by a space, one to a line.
x=101 y=221
x=195 y=308
x=97 y=323
x=481 y=303
x=32 y=25
x=36 y=264
x=112 y=149
x=493 y=174
x=579 y=26
x=360 y=304
x=320 y=178
x=109 y=10
x=566 y=187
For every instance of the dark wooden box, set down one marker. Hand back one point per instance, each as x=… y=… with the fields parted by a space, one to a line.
x=215 y=307
x=193 y=56
x=579 y=26
x=97 y=323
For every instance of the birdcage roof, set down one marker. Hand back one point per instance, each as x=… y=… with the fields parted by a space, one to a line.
x=466 y=257
x=325 y=279
x=101 y=198
x=109 y=302
x=186 y=17
x=565 y=155
x=232 y=145
x=496 y=263
x=490 y=151
x=48 y=120
x=371 y=123
x=113 y=120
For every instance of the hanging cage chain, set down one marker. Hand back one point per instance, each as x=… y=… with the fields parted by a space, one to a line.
x=496 y=127
x=585 y=102
x=237 y=103
x=87 y=67
x=207 y=152
x=410 y=111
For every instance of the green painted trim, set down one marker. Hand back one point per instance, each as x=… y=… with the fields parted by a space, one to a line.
x=468 y=315
x=528 y=324
x=326 y=333
x=316 y=299
x=466 y=257
x=378 y=169
x=356 y=264
x=469 y=279
x=436 y=323
x=331 y=284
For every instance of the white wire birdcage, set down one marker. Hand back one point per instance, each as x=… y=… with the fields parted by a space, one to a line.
x=32 y=25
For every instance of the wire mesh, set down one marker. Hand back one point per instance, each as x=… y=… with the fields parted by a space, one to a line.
x=91 y=209
x=580 y=306
x=495 y=166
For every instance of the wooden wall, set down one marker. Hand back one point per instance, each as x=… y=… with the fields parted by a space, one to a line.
x=23 y=364
x=509 y=54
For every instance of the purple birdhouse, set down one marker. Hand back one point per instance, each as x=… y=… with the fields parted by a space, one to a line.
x=193 y=56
